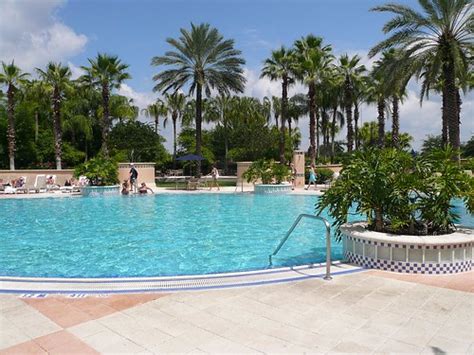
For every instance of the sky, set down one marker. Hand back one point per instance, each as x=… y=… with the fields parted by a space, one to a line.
x=34 y=32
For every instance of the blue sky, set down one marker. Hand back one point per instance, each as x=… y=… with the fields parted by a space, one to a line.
x=136 y=31
x=34 y=32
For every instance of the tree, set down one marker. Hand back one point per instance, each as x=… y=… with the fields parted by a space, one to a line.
x=105 y=73
x=313 y=62
x=219 y=112
x=281 y=66
x=174 y=104
x=57 y=79
x=205 y=60
x=350 y=69
x=155 y=111
x=437 y=43
x=12 y=78
x=378 y=95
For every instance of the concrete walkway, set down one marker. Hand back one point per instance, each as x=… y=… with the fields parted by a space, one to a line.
x=364 y=312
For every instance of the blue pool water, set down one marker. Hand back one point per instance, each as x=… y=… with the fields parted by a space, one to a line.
x=180 y=234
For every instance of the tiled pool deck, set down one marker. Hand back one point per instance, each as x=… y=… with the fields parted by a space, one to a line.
x=363 y=312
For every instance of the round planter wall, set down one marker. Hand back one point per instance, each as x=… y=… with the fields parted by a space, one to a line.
x=100 y=190
x=442 y=254
x=272 y=189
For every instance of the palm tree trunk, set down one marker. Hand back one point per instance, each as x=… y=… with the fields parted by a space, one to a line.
x=444 y=132
x=11 y=126
x=105 y=123
x=318 y=116
x=348 y=107
x=381 y=122
x=284 y=105
x=276 y=122
x=395 y=122
x=36 y=125
x=226 y=144
x=452 y=106
x=378 y=219
x=57 y=127
x=289 y=129
x=312 y=123
x=333 y=133
x=174 y=119
x=198 y=126
x=157 y=122
x=356 y=125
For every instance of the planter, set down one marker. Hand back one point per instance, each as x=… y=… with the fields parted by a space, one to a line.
x=272 y=189
x=442 y=254
x=100 y=190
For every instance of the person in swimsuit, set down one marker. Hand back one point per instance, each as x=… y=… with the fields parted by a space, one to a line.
x=144 y=189
x=133 y=178
x=312 y=177
x=125 y=187
x=215 y=176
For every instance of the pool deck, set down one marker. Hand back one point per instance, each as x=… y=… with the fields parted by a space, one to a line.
x=361 y=312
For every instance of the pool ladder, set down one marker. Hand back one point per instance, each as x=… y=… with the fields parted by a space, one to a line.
x=328 y=241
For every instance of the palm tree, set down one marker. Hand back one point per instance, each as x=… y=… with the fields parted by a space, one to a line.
x=105 y=73
x=12 y=78
x=334 y=86
x=351 y=70
x=297 y=107
x=57 y=80
x=313 y=62
x=175 y=105
x=156 y=110
x=37 y=99
x=396 y=79
x=281 y=66
x=203 y=59
x=220 y=108
x=438 y=43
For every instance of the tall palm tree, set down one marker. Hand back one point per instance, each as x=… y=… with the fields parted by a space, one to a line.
x=155 y=111
x=37 y=99
x=378 y=95
x=220 y=108
x=396 y=79
x=12 y=78
x=313 y=62
x=351 y=70
x=281 y=66
x=297 y=107
x=205 y=60
x=105 y=73
x=57 y=78
x=175 y=105
x=334 y=85
x=437 y=42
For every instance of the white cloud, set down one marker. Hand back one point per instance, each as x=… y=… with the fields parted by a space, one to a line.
x=76 y=71
x=31 y=34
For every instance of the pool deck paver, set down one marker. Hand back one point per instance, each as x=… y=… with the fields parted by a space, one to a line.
x=364 y=312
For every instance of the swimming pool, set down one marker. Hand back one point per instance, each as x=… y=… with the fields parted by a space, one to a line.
x=161 y=235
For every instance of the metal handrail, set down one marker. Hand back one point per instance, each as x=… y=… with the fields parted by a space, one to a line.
x=328 y=241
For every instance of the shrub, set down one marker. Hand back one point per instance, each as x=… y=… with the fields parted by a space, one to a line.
x=323 y=175
x=399 y=193
x=268 y=171
x=99 y=171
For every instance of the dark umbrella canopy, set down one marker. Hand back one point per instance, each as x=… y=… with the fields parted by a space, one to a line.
x=190 y=157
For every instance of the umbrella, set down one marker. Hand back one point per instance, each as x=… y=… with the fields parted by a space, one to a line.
x=190 y=157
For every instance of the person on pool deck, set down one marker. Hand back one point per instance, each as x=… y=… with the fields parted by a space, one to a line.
x=215 y=176
x=312 y=177
x=144 y=189
x=133 y=178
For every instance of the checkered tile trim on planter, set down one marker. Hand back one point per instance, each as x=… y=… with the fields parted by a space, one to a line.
x=405 y=246
x=409 y=267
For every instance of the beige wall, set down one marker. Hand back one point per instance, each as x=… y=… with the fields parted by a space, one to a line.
x=334 y=167
x=61 y=175
x=298 y=160
x=146 y=172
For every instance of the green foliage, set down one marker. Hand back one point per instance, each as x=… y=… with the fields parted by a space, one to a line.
x=468 y=148
x=323 y=175
x=137 y=141
x=72 y=156
x=399 y=193
x=431 y=143
x=99 y=170
x=268 y=171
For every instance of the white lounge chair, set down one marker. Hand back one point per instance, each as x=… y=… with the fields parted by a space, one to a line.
x=40 y=183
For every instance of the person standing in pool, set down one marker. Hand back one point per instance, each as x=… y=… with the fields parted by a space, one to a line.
x=133 y=178
x=294 y=173
x=312 y=177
